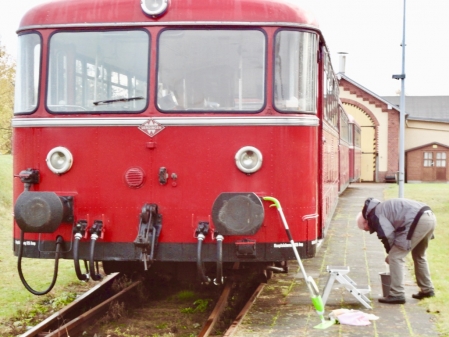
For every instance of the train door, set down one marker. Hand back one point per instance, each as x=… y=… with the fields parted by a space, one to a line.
x=369 y=157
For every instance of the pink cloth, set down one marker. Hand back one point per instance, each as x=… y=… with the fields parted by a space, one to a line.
x=354 y=318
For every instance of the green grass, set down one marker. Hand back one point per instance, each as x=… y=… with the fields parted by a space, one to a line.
x=15 y=301
x=437 y=197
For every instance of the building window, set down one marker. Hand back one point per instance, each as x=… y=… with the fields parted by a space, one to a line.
x=441 y=159
x=428 y=159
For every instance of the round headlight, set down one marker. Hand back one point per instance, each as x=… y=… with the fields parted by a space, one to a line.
x=248 y=159
x=154 y=7
x=59 y=160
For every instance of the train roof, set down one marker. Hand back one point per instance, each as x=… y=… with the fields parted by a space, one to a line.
x=129 y=12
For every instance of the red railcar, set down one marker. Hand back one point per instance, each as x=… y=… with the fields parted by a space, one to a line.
x=355 y=150
x=145 y=133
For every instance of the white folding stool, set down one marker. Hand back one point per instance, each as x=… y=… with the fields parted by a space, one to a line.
x=341 y=275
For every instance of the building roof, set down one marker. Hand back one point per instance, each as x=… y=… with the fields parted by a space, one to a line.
x=387 y=103
x=420 y=108
x=426 y=145
x=424 y=108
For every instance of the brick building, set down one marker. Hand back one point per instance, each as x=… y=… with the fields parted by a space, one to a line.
x=426 y=138
x=426 y=133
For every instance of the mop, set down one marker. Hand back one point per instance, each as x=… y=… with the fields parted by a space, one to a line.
x=311 y=285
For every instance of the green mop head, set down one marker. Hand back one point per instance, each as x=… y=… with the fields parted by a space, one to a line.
x=319 y=307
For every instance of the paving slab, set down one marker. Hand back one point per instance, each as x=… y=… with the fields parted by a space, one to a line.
x=284 y=307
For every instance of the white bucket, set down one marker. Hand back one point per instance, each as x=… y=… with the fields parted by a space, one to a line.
x=386 y=280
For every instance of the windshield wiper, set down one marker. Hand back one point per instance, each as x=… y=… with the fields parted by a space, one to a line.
x=118 y=100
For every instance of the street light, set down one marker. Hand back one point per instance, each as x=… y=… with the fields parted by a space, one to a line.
x=402 y=114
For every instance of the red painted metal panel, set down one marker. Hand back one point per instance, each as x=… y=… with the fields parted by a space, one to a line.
x=114 y=11
x=202 y=159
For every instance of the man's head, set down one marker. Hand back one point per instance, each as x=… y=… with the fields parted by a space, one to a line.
x=369 y=206
x=365 y=208
x=362 y=223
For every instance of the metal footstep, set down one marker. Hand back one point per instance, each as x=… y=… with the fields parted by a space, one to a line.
x=339 y=273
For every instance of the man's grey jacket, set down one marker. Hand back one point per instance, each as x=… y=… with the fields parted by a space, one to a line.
x=392 y=220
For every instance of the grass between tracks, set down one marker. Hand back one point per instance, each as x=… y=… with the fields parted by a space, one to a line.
x=18 y=305
x=437 y=197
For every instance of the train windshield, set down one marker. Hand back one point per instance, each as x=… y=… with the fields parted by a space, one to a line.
x=104 y=71
x=295 y=87
x=211 y=70
x=27 y=76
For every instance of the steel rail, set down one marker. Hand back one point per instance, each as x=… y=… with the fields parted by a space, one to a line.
x=75 y=326
x=72 y=307
x=219 y=307
x=233 y=328
x=52 y=326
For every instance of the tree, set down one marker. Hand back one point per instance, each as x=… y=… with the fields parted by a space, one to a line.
x=7 y=75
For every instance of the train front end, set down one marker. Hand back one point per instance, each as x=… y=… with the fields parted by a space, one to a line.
x=148 y=140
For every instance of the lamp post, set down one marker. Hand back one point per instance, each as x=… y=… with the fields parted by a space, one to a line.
x=402 y=114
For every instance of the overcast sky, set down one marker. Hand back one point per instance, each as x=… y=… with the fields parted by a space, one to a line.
x=370 y=31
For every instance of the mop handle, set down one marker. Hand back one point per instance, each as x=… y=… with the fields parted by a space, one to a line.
x=277 y=204
x=317 y=301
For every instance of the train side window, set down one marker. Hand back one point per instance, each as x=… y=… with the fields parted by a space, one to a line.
x=351 y=134
x=330 y=97
x=358 y=137
x=295 y=88
x=344 y=126
x=218 y=70
x=27 y=74
x=101 y=71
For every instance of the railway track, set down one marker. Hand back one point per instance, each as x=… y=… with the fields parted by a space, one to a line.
x=69 y=320
x=233 y=327
x=72 y=320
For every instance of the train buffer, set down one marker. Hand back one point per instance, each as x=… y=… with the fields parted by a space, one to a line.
x=340 y=274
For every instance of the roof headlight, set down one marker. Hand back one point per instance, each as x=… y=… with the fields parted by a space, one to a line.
x=248 y=159
x=59 y=160
x=154 y=7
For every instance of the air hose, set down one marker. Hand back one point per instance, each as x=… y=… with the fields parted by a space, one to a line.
x=94 y=272
x=199 y=261
x=59 y=242
x=81 y=276
x=219 y=279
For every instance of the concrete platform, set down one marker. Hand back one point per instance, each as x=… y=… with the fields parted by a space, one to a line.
x=284 y=307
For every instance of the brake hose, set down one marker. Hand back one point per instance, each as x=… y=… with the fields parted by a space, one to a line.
x=59 y=241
